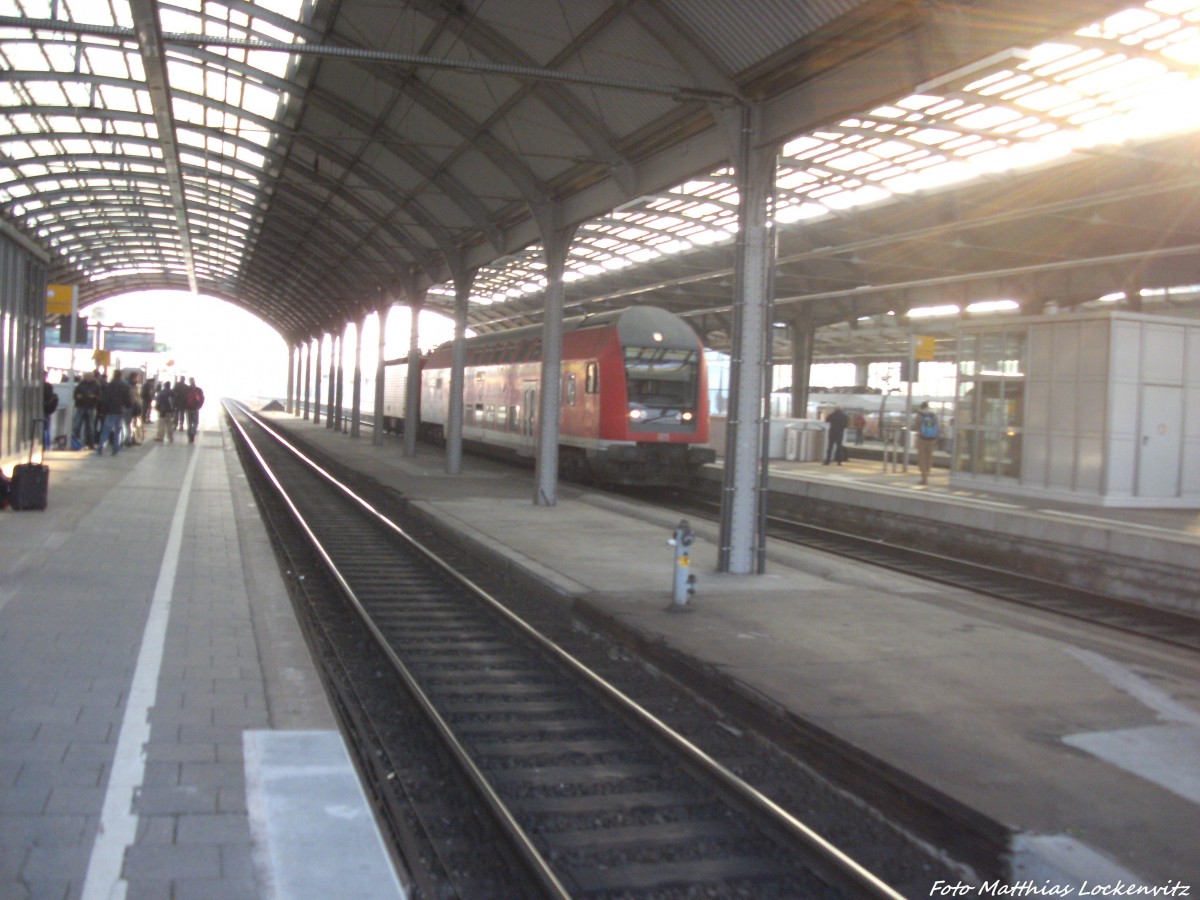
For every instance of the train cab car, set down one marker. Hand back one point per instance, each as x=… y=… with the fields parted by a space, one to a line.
x=633 y=396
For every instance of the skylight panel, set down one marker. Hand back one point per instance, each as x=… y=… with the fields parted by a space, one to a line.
x=988 y=118
x=1184 y=48
x=1122 y=23
x=119 y=98
x=850 y=162
x=1048 y=98
x=45 y=93
x=107 y=61
x=80 y=95
x=26 y=56
x=260 y=101
x=933 y=136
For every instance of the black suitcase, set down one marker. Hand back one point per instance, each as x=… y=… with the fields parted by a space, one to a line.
x=30 y=481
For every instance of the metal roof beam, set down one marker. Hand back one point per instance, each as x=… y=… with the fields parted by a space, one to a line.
x=154 y=61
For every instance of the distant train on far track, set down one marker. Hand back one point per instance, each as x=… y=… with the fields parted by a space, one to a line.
x=634 y=396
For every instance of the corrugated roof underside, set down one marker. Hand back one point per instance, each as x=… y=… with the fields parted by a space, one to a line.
x=740 y=40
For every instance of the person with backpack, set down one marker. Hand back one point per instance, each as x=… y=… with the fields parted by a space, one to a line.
x=115 y=398
x=193 y=399
x=87 y=402
x=927 y=435
x=164 y=404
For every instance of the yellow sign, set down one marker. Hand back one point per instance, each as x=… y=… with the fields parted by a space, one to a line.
x=58 y=299
x=923 y=347
x=102 y=357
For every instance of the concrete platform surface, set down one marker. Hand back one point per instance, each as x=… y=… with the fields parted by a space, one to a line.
x=1078 y=739
x=145 y=632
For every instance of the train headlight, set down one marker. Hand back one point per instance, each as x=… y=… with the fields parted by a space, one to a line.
x=636 y=414
x=687 y=415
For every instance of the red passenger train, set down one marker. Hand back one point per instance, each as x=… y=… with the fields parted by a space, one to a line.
x=634 y=396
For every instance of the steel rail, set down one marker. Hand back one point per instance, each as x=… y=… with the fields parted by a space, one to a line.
x=846 y=866
x=537 y=864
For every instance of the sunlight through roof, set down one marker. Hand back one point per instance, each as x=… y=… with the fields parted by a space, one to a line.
x=80 y=138
x=82 y=166
x=1134 y=76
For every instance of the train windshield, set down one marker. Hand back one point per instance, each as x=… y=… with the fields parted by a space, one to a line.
x=659 y=377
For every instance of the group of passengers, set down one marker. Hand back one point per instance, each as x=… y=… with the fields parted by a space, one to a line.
x=116 y=410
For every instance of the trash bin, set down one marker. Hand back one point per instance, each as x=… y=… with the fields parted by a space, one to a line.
x=805 y=441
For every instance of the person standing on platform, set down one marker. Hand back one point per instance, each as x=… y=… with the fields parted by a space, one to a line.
x=115 y=398
x=147 y=405
x=164 y=402
x=87 y=400
x=49 y=407
x=193 y=399
x=177 y=401
x=133 y=413
x=836 y=422
x=927 y=435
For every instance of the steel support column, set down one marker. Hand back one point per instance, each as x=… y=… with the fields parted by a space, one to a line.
x=289 y=402
x=556 y=242
x=412 y=395
x=377 y=431
x=330 y=413
x=308 y=360
x=458 y=364
x=338 y=404
x=317 y=382
x=743 y=505
x=803 y=337
x=356 y=384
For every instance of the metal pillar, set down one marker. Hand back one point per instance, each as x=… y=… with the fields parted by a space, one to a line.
x=339 y=405
x=458 y=364
x=330 y=414
x=356 y=385
x=307 y=376
x=297 y=374
x=803 y=335
x=288 y=403
x=743 y=506
x=556 y=242
x=377 y=431
x=412 y=395
x=317 y=383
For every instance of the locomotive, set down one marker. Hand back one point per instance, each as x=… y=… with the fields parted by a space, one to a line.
x=634 y=397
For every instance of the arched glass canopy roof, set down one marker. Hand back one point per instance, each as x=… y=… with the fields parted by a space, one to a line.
x=147 y=143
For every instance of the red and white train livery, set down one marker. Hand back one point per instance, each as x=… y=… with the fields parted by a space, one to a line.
x=634 y=396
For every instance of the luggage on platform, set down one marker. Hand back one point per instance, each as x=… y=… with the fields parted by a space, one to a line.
x=30 y=487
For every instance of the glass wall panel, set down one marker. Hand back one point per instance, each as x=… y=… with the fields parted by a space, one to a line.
x=990 y=411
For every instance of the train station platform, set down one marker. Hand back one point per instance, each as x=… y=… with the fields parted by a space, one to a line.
x=168 y=771
x=163 y=731
x=1082 y=746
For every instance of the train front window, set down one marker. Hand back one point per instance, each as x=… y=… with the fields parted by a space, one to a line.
x=660 y=379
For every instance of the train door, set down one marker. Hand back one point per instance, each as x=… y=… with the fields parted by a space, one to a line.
x=1161 y=445
x=528 y=435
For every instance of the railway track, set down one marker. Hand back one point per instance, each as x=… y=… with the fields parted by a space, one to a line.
x=1159 y=625
x=591 y=794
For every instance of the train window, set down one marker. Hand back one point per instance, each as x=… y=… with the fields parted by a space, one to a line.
x=570 y=389
x=592 y=384
x=661 y=377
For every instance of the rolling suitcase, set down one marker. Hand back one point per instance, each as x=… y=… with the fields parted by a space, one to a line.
x=30 y=487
